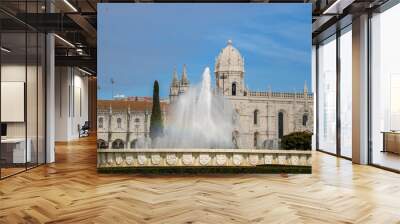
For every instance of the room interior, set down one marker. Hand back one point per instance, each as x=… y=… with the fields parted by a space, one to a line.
x=24 y=100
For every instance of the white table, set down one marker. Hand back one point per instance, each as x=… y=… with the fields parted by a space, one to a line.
x=18 y=144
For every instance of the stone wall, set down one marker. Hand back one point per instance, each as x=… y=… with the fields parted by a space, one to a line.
x=200 y=157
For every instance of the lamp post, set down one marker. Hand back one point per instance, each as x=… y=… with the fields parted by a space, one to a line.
x=223 y=77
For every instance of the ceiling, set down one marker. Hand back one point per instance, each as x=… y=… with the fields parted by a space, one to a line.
x=75 y=21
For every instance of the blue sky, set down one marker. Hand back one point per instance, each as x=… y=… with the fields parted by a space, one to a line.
x=140 y=43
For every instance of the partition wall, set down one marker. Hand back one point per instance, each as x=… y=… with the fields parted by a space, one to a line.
x=23 y=84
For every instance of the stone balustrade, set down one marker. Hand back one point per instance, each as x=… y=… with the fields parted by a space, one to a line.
x=288 y=95
x=200 y=157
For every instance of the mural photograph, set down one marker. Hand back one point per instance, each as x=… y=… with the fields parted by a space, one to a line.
x=204 y=88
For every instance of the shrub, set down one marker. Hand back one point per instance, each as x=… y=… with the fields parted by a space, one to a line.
x=297 y=140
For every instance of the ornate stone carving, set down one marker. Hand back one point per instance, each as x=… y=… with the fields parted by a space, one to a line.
x=129 y=159
x=118 y=158
x=237 y=159
x=103 y=158
x=295 y=160
x=268 y=159
x=253 y=159
x=187 y=159
x=142 y=159
x=282 y=159
x=171 y=159
x=110 y=158
x=204 y=159
x=155 y=159
x=221 y=159
x=132 y=158
x=309 y=161
x=302 y=160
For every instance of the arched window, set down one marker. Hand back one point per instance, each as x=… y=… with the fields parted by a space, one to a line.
x=101 y=120
x=255 y=121
x=234 y=89
x=133 y=144
x=305 y=120
x=119 y=121
x=255 y=144
x=101 y=144
x=280 y=124
x=118 y=144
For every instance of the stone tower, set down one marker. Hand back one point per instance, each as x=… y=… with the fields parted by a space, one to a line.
x=184 y=83
x=229 y=71
x=178 y=87
x=174 y=88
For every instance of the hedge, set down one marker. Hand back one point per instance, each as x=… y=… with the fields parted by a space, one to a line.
x=297 y=140
x=269 y=169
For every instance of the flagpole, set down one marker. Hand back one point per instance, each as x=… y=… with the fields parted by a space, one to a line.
x=112 y=88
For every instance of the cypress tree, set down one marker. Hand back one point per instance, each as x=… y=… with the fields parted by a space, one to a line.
x=156 y=123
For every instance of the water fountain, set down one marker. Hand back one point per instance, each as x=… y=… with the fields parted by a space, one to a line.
x=200 y=118
x=198 y=133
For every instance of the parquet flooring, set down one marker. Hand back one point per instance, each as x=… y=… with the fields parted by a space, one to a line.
x=8 y=171
x=71 y=191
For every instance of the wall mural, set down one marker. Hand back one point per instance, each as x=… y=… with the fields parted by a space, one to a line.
x=176 y=93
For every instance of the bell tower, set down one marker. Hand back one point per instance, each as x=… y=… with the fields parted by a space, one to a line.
x=229 y=71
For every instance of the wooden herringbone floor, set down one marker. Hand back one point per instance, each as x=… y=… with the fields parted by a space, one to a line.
x=70 y=191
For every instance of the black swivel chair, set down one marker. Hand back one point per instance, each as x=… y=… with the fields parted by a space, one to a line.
x=84 y=130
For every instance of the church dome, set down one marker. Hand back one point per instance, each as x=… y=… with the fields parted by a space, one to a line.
x=229 y=59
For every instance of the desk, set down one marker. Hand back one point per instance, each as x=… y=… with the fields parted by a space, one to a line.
x=15 y=148
x=391 y=142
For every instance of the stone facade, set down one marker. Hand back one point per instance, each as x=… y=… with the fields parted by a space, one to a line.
x=120 y=123
x=261 y=118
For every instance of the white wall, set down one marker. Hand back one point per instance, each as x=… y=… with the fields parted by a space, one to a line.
x=71 y=102
x=33 y=126
x=16 y=73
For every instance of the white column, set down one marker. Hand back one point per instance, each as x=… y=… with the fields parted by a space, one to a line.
x=360 y=90
x=50 y=99
x=63 y=101
x=314 y=90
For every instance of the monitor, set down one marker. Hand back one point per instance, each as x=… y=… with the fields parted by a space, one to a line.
x=3 y=129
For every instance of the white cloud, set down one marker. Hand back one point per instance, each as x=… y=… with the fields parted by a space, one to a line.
x=263 y=45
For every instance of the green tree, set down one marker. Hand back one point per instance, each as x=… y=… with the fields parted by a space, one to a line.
x=297 y=140
x=156 y=123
